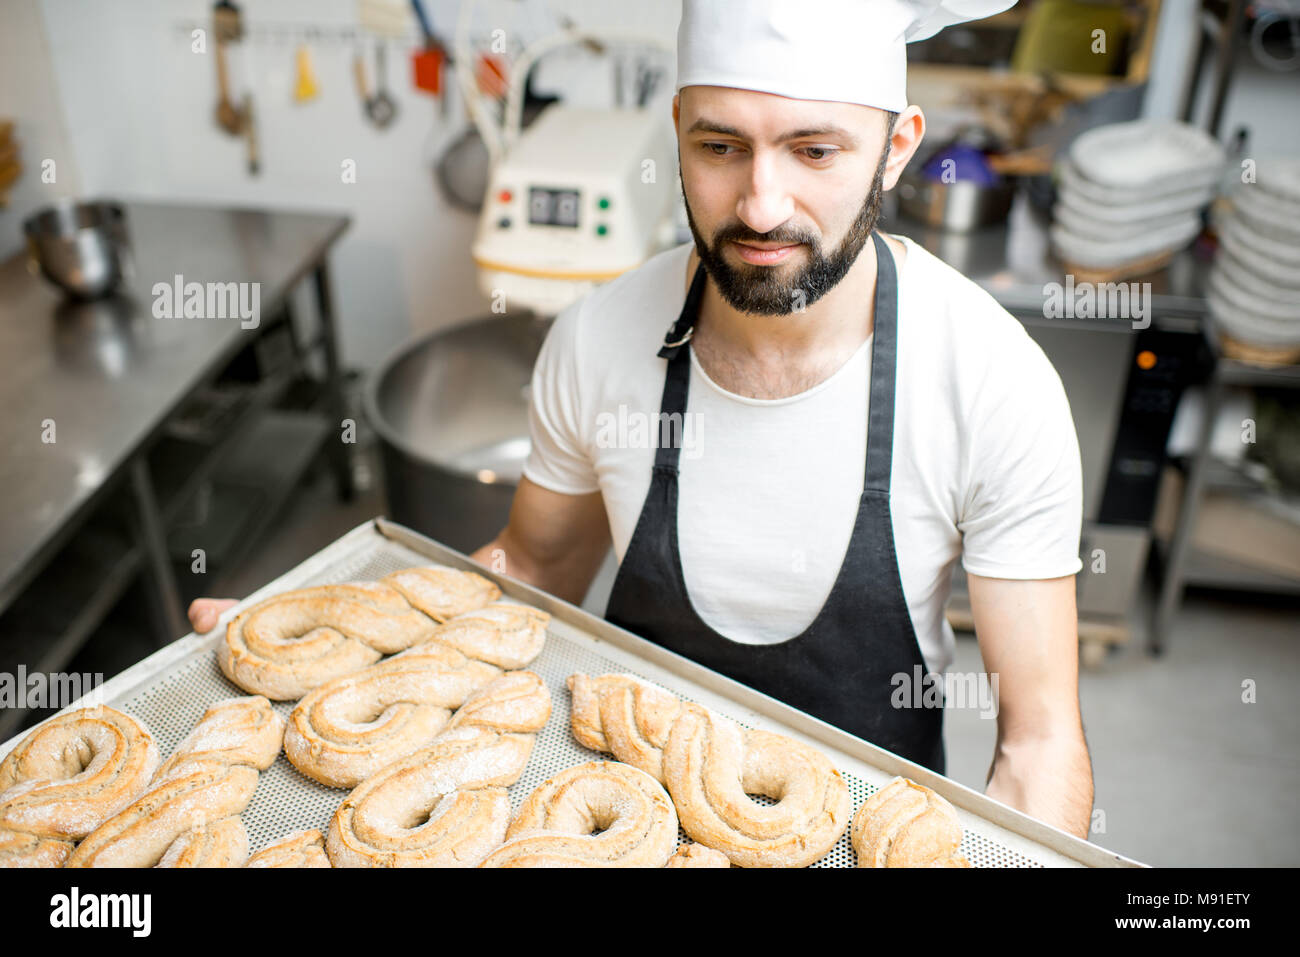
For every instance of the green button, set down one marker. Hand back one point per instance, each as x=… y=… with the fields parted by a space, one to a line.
x=602 y=229
x=604 y=202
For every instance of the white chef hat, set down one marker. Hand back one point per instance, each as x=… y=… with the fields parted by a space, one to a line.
x=848 y=51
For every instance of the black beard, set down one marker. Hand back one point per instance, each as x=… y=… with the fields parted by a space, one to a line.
x=758 y=289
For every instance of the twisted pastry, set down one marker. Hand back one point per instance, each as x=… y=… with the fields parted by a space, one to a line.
x=140 y=835
x=516 y=702
x=443 y=593
x=906 y=824
x=508 y=636
x=697 y=855
x=556 y=825
x=299 y=849
x=233 y=731
x=211 y=776
x=293 y=642
x=443 y=806
x=349 y=728
x=625 y=717
x=67 y=777
x=710 y=766
x=223 y=844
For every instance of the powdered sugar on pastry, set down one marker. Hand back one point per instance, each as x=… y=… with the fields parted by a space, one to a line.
x=211 y=776
x=299 y=849
x=600 y=814
x=66 y=778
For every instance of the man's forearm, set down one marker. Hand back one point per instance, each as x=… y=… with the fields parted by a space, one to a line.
x=564 y=579
x=1048 y=778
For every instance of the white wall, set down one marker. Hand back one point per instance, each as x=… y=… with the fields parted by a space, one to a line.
x=28 y=97
x=139 y=108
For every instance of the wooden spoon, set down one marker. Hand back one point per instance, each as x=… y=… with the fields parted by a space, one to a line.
x=229 y=118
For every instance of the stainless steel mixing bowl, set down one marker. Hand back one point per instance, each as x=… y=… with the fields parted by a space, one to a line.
x=79 y=246
x=451 y=413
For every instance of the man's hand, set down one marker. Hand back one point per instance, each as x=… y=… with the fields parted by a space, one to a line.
x=1029 y=636
x=554 y=542
x=204 y=612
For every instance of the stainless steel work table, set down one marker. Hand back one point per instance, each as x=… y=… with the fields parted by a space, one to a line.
x=108 y=375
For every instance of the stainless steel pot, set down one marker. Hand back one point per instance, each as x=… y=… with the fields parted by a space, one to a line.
x=958 y=206
x=451 y=414
x=81 y=247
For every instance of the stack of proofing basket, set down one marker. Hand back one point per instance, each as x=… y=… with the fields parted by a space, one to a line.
x=1254 y=286
x=1130 y=196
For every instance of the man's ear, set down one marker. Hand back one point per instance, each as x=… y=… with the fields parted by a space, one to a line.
x=677 y=109
x=909 y=129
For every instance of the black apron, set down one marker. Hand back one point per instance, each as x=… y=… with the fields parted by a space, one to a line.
x=842 y=668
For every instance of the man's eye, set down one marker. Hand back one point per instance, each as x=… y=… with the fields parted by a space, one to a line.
x=820 y=152
x=717 y=149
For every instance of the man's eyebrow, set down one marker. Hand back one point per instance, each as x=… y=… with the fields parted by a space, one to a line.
x=704 y=125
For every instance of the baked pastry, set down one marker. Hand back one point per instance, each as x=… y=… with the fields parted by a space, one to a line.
x=211 y=776
x=349 y=728
x=296 y=641
x=906 y=824
x=697 y=855
x=517 y=701
x=65 y=778
x=443 y=593
x=710 y=766
x=443 y=806
x=299 y=849
x=195 y=794
x=601 y=814
x=293 y=642
x=506 y=635
x=233 y=731
x=625 y=717
x=221 y=844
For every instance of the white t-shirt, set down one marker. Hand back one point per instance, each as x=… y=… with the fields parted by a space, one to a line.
x=985 y=461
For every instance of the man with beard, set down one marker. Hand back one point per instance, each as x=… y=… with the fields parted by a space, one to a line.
x=836 y=417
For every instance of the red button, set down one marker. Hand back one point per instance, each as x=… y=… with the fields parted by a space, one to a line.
x=505 y=196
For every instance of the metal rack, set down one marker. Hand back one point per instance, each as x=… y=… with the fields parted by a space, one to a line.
x=1182 y=565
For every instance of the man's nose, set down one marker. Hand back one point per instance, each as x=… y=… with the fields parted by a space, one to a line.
x=766 y=203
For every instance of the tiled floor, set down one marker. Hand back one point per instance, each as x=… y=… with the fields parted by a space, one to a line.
x=1186 y=773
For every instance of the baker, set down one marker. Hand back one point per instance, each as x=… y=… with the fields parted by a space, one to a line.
x=840 y=417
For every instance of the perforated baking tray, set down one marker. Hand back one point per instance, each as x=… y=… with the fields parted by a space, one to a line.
x=170 y=690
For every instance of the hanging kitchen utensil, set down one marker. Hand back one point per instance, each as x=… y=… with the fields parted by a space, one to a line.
x=382 y=108
x=647 y=80
x=384 y=18
x=250 y=131
x=305 y=86
x=490 y=73
x=226 y=28
x=363 y=85
x=463 y=169
x=427 y=64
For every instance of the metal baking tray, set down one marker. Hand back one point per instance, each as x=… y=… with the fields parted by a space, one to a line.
x=170 y=689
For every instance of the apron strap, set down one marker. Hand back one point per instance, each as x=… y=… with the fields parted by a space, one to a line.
x=884 y=348
x=884 y=356
x=684 y=327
